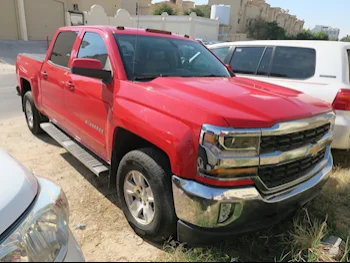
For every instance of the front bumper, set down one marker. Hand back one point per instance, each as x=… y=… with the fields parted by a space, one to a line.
x=198 y=207
x=341 y=139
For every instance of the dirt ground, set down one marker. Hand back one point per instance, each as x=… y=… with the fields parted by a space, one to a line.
x=107 y=236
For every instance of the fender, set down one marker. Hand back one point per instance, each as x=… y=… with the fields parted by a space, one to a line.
x=176 y=138
x=30 y=72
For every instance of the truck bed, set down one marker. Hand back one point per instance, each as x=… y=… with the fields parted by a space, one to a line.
x=39 y=57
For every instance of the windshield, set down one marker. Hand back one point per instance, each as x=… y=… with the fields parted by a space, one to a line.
x=150 y=57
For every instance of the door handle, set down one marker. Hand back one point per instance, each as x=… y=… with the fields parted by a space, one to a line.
x=44 y=75
x=70 y=85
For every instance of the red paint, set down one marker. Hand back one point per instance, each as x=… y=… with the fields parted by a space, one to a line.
x=168 y=112
x=87 y=63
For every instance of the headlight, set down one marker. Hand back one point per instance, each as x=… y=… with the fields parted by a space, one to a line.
x=232 y=144
x=43 y=234
x=228 y=154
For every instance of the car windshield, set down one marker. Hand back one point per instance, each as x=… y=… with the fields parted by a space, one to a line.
x=146 y=58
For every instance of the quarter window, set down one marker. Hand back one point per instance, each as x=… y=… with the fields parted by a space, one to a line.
x=293 y=63
x=93 y=46
x=245 y=60
x=62 y=49
x=221 y=52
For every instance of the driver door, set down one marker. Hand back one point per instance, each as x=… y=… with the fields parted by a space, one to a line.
x=89 y=100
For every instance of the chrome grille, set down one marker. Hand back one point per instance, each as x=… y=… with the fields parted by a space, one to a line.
x=292 y=141
x=277 y=175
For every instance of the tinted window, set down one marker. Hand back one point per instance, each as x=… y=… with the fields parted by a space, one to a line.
x=245 y=60
x=146 y=58
x=265 y=63
x=63 y=47
x=293 y=62
x=94 y=47
x=221 y=52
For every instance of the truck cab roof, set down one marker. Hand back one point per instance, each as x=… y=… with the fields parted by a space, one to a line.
x=130 y=31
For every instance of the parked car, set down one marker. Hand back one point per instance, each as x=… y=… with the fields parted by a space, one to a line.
x=192 y=151
x=34 y=216
x=318 y=68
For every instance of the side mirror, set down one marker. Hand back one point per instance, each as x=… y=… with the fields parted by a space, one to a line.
x=229 y=67
x=90 y=68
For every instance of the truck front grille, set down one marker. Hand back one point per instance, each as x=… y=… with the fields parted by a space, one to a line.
x=273 y=176
x=292 y=141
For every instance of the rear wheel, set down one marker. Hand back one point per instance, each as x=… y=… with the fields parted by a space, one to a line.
x=33 y=116
x=145 y=194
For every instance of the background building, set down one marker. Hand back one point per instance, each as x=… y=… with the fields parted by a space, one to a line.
x=243 y=12
x=333 y=33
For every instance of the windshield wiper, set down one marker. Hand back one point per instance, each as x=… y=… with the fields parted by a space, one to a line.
x=151 y=77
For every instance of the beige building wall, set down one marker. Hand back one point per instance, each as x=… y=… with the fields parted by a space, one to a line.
x=243 y=12
x=52 y=16
x=9 y=28
x=187 y=5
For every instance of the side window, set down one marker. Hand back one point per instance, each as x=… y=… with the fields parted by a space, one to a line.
x=93 y=46
x=293 y=63
x=265 y=63
x=245 y=60
x=63 y=47
x=221 y=52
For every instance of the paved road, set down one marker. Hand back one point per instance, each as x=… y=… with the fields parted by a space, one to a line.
x=10 y=103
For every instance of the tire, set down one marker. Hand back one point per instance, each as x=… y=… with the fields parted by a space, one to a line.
x=33 y=116
x=152 y=165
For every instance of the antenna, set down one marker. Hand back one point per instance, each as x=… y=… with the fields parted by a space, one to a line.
x=137 y=36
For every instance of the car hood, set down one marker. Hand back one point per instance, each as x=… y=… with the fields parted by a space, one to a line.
x=242 y=102
x=18 y=188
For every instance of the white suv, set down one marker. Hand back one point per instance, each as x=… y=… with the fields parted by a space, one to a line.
x=318 y=68
x=33 y=218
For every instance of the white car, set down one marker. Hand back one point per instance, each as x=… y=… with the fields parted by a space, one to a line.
x=318 y=68
x=34 y=217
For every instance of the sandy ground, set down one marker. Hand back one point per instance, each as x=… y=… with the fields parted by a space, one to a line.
x=107 y=236
x=6 y=68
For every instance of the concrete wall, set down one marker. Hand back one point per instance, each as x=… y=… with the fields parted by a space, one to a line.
x=9 y=20
x=195 y=27
x=110 y=6
x=52 y=16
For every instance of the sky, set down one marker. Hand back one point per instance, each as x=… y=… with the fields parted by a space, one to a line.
x=314 y=12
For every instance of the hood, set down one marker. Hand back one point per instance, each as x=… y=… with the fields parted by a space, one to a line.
x=18 y=188
x=242 y=102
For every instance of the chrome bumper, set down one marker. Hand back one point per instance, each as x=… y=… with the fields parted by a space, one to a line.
x=199 y=205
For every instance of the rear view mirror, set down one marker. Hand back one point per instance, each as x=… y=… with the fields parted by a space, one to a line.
x=91 y=68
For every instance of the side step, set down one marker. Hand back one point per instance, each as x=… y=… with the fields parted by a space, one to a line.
x=91 y=162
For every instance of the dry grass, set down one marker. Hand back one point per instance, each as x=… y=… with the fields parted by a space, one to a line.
x=296 y=241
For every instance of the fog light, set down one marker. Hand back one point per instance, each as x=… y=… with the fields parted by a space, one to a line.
x=225 y=212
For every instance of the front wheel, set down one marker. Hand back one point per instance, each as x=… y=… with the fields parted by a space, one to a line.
x=145 y=194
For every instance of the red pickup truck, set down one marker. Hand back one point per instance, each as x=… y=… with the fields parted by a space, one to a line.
x=193 y=151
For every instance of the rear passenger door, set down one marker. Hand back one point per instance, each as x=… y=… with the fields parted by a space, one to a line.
x=55 y=75
x=295 y=67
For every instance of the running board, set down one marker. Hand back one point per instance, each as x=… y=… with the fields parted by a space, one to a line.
x=91 y=162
